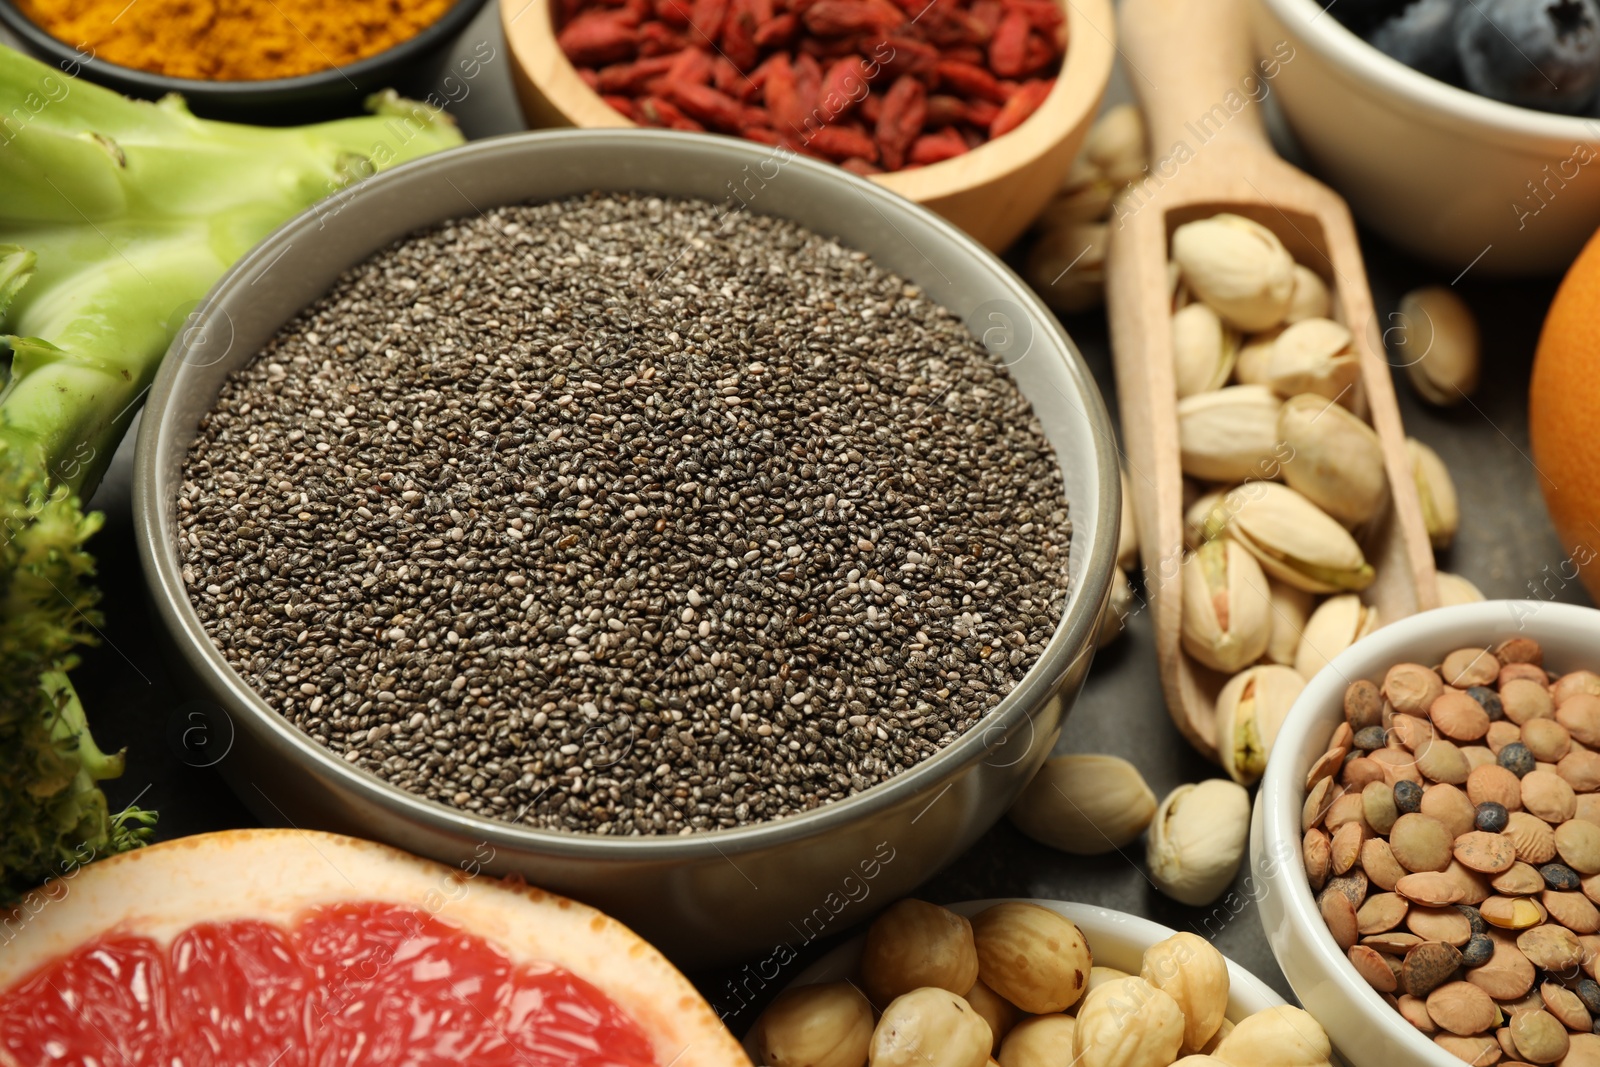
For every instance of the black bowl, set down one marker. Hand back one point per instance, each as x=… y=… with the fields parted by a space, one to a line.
x=323 y=94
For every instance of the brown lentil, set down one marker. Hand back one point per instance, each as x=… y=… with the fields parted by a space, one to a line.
x=600 y=515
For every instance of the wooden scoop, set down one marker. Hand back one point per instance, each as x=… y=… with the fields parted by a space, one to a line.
x=1192 y=65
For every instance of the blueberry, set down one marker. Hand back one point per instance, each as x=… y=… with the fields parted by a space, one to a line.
x=1489 y=701
x=1559 y=876
x=1421 y=37
x=1589 y=993
x=1542 y=54
x=1492 y=817
x=1475 y=918
x=1370 y=739
x=1477 y=951
x=1407 y=797
x=1516 y=758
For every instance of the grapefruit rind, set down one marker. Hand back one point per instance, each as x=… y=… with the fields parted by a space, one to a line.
x=274 y=875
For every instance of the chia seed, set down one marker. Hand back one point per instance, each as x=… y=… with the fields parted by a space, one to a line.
x=591 y=516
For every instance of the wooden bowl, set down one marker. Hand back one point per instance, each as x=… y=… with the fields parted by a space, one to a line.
x=993 y=192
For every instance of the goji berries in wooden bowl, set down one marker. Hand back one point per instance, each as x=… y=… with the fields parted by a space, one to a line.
x=974 y=108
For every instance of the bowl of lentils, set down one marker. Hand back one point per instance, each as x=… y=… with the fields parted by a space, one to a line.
x=1429 y=833
x=689 y=527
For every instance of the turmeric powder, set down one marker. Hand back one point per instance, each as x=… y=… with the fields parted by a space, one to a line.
x=233 y=40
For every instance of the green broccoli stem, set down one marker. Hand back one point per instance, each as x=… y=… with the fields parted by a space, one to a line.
x=117 y=216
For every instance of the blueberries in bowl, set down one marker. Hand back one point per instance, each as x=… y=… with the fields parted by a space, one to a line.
x=1542 y=54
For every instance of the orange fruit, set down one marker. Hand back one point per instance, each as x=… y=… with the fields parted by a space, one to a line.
x=275 y=947
x=1563 y=409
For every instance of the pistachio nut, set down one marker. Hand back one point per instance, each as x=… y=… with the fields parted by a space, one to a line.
x=1239 y=267
x=1441 y=513
x=1314 y=356
x=1119 y=605
x=1454 y=589
x=1338 y=623
x=1198 y=515
x=1190 y=970
x=1277 y=1037
x=1202 y=350
x=1066 y=266
x=1332 y=458
x=1226 y=607
x=1438 y=344
x=1079 y=204
x=1085 y=804
x=1294 y=540
x=1250 y=365
x=1127 y=1023
x=1310 y=299
x=1250 y=710
x=1197 y=840
x=1115 y=144
x=1290 y=608
x=1230 y=434
x=1127 y=530
x=1178 y=296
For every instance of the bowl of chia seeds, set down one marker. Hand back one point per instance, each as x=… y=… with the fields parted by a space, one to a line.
x=694 y=529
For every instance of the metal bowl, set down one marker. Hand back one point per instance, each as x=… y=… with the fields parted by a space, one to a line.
x=710 y=897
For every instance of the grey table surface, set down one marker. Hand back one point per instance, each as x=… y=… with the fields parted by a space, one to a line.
x=1506 y=546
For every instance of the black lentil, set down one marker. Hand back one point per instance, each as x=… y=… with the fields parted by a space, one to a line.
x=1492 y=817
x=1589 y=993
x=593 y=516
x=1489 y=701
x=1475 y=919
x=1517 y=759
x=1477 y=951
x=1407 y=797
x=1370 y=738
x=1559 y=876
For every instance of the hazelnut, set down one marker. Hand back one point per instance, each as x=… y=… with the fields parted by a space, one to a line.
x=816 y=1026
x=915 y=944
x=1031 y=956
x=930 y=1027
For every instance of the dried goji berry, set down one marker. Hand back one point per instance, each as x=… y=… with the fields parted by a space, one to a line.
x=830 y=47
x=739 y=35
x=944 y=110
x=857 y=165
x=659 y=39
x=725 y=77
x=843 y=87
x=589 y=77
x=987 y=13
x=938 y=147
x=782 y=95
x=842 y=142
x=673 y=12
x=808 y=82
x=970 y=80
x=777 y=31
x=898 y=54
x=947 y=26
x=629 y=77
x=1008 y=48
x=659 y=112
x=624 y=106
x=761 y=134
x=596 y=38
x=1044 y=15
x=692 y=65
x=836 y=18
x=981 y=112
x=905 y=111
x=871 y=108
x=1024 y=102
x=707 y=105
x=705 y=17
x=966 y=53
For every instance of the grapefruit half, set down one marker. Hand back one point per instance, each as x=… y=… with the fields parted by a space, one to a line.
x=281 y=948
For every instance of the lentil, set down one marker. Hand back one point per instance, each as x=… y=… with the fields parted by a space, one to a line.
x=594 y=516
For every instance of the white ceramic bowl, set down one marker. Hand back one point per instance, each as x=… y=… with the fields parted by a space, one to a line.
x=1116 y=939
x=1440 y=171
x=1365 y=1030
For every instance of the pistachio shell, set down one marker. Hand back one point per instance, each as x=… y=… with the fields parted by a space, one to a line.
x=1085 y=804
x=1116 y=144
x=1310 y=299
x=1203 y=350
x=1250 y=364
x=1454 y=589
x=1198 y=515
x=1239 y=267
x=1290 y=608
x=1118 y=607
x=1438 y=344
x=1315 y=356
x=1441 y=513
x=1066 y=266
x=1226 y=606
x=1250 y=711
x=1333 y=458
x=1338 y=623
x=1294 y=540
x=1230 y=434
x=1197 y=840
